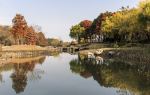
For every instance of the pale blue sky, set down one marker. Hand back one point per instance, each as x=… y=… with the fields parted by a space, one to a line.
x=57 y=16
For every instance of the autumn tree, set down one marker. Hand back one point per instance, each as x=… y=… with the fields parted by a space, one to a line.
x=96 y=27
x=86 y=24
x=31 y=36
x=87 y=33
x=19 y=28
x=20 y=75
x=41 y=39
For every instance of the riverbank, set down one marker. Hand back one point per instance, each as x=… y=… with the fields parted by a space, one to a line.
x=85 y=52
x=115 y=47
x=140 y=54
x=24 y=51
x=23 y=48
x=27 y=48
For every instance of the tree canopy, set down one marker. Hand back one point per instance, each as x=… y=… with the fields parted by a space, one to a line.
x=22 y=33
x=125 y=25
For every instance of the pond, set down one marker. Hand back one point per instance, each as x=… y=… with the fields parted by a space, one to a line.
x=67 y=74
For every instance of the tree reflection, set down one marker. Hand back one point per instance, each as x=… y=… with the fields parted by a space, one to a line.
x=1 y=78
x=41 y=60
x=20 y=75
x=116 y=73
x=35 y=75
x=76 y=67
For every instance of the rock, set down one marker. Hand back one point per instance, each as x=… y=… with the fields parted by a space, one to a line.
x=91 y=55
x=98 y=52
x=111 y=53
x=99 y=60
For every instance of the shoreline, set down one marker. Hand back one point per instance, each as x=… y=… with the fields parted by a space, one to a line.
x=20 y=51
x=110 y=49
x=141 y=55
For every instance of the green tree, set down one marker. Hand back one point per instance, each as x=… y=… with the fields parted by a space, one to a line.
x=77 y=32
x=124 y=26
x=6 y=37
x=144 y=16
x=54 y=42
x=110 y=27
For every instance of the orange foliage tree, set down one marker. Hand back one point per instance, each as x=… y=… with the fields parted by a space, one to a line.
x=19 y=29
x=42 y=41
x=31 y=36
x=23 y=34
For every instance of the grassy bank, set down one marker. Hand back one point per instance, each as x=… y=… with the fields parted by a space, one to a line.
x=20 y=51
x=146 y=50
x=23 y=48
x=133 y=54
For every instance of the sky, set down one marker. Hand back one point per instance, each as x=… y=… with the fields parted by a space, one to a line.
x=57 y=16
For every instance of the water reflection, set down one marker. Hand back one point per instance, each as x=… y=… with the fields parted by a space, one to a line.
x=23 y=71
x=56 y=75
x=1 y=78
x=130 y=79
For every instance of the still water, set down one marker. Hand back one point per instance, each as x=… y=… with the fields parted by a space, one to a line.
x=67 y=74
